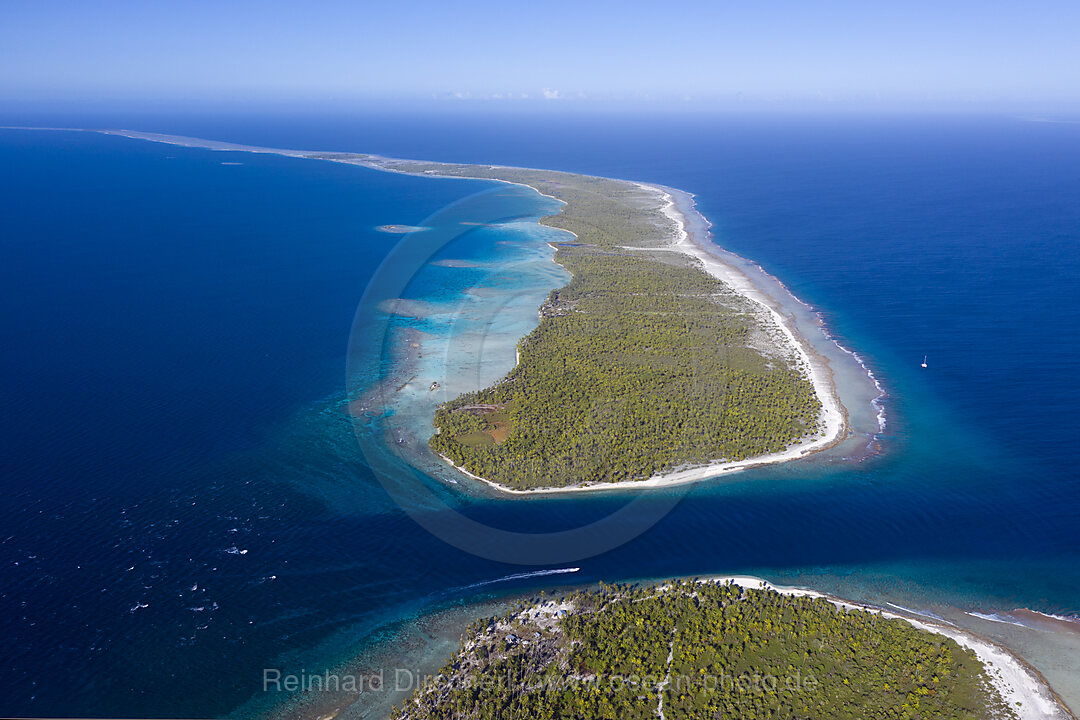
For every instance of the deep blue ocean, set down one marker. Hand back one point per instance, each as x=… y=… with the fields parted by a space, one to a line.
x=185 y=502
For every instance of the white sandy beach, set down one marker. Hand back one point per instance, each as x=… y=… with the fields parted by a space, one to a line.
x=1020 y=686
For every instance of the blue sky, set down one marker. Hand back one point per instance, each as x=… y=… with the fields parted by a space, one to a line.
x=814 y=52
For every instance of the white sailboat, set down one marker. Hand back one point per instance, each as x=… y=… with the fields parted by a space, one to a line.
x=924 y=361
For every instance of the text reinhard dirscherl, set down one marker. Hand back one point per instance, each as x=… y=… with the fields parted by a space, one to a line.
x=404 y=680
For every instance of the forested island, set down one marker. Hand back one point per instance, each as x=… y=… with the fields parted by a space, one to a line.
x=643 y=364
x=704 y=650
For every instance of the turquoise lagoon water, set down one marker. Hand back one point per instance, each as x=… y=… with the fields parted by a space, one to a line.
x=188 y=502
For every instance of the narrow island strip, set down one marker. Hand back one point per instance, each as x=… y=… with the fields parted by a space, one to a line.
x=658 y=364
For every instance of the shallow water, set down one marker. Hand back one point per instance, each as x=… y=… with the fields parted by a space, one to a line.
x=470 y=287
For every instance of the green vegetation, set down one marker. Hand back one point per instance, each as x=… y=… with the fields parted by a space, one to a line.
x=642 y=364
x=692 y=650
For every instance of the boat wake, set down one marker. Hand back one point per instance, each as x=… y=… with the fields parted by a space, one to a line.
x=521 y=576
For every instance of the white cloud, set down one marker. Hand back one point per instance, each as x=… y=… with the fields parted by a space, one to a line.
x=550 y=94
